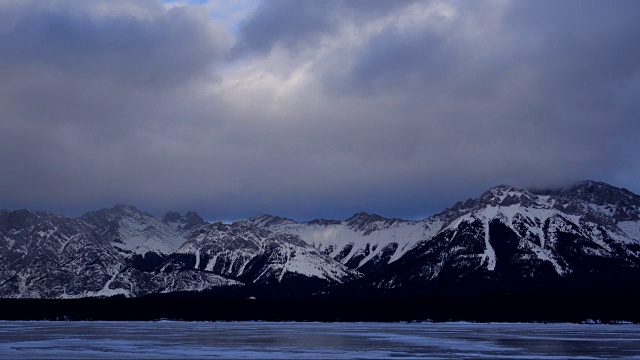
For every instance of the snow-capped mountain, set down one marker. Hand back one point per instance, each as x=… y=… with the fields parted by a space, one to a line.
x=138 y=233
x=46 y=255
x=43 y=255
x=256 y=255
x=365 y=242
x=510 y=238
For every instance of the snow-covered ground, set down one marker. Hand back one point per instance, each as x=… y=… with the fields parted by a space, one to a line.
x=265 y=340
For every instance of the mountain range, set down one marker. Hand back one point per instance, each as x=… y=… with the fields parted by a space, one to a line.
x=507 y=239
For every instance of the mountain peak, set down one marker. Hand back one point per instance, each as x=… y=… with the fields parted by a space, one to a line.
x=266 y=220
x=172 y=216
x=364 y=216
x=189 y=221
x=124 y=207
x=506 y=195
x=368 y=223
x=600 y=193
x=618 y=204
x=126 y=210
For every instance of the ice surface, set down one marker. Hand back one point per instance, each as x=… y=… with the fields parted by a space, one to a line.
x=265 y=340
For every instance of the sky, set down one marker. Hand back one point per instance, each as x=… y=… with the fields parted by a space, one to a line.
x=312 y=109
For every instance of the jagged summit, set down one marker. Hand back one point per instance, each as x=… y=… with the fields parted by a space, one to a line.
x=362 y=219
x=126 y=209
x=502 y=199
x=620 y=203
x=505 y=195
x=597 y=192
x=187 y=223
x=138 y=232
x=14 y=219
x=587 y=191
x=267 y=220
x=597 y=201
x=172 y=216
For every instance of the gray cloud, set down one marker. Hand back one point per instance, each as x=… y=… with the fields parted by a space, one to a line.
x=294 y=23
x=87 y=95
x=400 y=108
x=549 y=100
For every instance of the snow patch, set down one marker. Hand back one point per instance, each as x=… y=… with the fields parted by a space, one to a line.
x=489 y=254
x=631 y=229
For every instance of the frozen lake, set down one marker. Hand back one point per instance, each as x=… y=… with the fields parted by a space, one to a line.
x=260 y=340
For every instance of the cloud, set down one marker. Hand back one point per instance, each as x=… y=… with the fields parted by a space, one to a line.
x=292 y=23
x=312 y=109
x=87 y=93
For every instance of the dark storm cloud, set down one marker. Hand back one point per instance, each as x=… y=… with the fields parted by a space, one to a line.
x=87 y=95
x=157 y=51
x=333 y=107
x=392 y=60
x=532 y=93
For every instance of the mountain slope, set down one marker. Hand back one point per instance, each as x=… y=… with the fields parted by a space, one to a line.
x=364 y=242
x=46 y=255
x=508 y=239
x=43 y=255
x=512 y=238
x=145 y=239
x=259 y=256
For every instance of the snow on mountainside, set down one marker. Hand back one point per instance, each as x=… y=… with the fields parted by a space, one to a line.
x=131 y=282
x=138 y=232
x=43 y=255
x=364 y=242
x=46 y=255
x=507 y=238
x=243 y=251
x=511 y=236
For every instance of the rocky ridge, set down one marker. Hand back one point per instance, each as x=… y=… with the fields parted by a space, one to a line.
x=508 y=238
